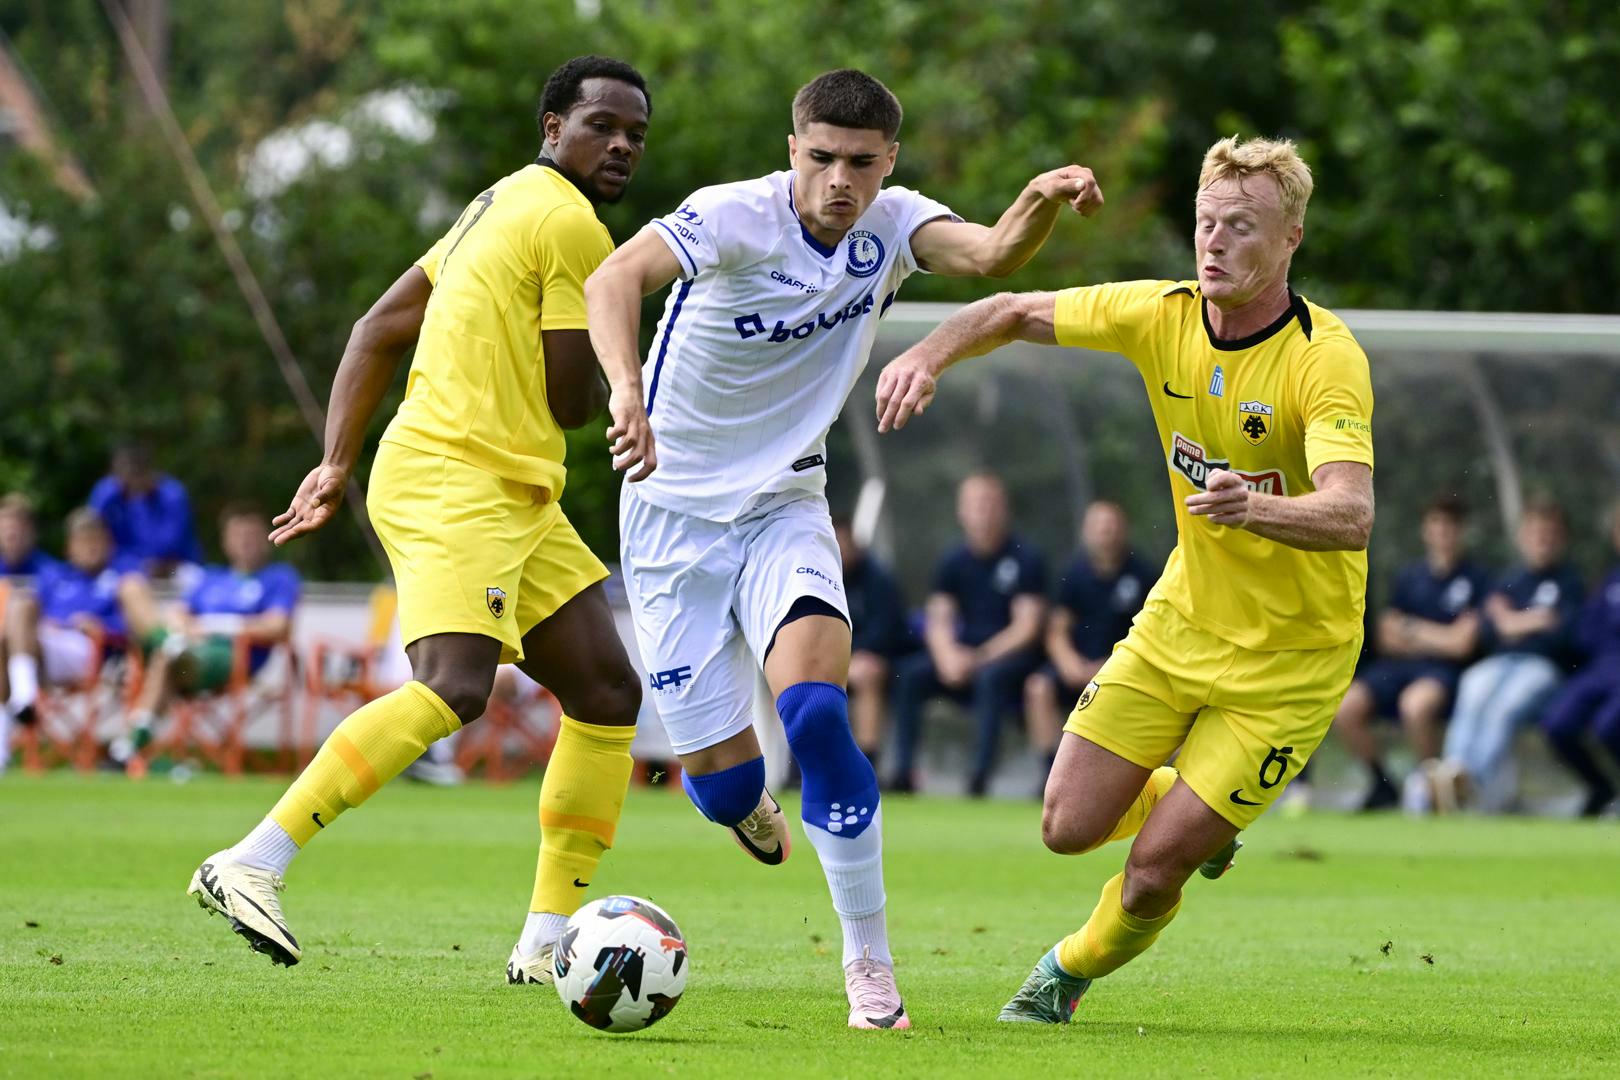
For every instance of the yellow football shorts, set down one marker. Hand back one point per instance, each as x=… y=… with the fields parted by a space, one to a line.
x=473 y=553
x=1246 y=721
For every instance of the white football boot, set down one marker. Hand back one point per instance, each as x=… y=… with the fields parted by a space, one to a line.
x=533 y=970
x=764 y=833
x=246 y=896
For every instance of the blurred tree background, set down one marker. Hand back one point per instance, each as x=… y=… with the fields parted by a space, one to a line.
x=1467 y=156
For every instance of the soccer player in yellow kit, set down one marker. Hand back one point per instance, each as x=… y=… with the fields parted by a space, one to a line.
x=1246 y=646
x=464 y=496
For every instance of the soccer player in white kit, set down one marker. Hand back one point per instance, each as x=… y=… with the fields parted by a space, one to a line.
x=728 y=550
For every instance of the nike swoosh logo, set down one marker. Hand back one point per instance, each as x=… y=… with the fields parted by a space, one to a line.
x=578 y=884
x=270 y=918
x=1172 y=393
x=318 y=821
x=1237 y=797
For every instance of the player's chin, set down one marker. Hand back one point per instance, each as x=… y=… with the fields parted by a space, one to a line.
x=610 y=186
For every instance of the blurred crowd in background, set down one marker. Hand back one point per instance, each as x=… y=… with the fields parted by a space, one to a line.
x=1462 y=658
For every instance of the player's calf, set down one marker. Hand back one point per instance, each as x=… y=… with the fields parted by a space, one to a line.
x=736 y=798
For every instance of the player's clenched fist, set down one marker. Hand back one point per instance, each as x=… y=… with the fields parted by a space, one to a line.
x=630 y=436
x=1073 y=184
x=1224 y=500
x=905 y=387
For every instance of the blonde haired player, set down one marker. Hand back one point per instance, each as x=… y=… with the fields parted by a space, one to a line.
x=464 y=496
x=1245 y=647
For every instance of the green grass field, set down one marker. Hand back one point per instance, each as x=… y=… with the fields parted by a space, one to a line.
x=1346 y=946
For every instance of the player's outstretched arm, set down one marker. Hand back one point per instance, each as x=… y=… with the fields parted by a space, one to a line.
x=376 y=344
x=907 y=384
x=613 y=309
x=1337 y=516
x=963 y=249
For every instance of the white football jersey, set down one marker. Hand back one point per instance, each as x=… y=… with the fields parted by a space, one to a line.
x=762 y=339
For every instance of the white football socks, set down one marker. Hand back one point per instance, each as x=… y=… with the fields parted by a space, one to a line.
x=22 y=670
x=854 y=870
x=540 y=929
x=267 y=847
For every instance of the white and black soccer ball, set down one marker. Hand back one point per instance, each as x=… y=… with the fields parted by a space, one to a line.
x=621 y=964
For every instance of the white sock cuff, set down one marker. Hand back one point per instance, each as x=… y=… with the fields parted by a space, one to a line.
x=267 y=847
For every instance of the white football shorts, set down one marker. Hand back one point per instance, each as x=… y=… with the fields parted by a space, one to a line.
x=707 y=598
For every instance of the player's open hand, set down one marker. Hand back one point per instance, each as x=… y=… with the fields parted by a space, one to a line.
x=1225 y=500
x=318 y=498
x=905 y=387
x=630 y=435
x=1073 y=184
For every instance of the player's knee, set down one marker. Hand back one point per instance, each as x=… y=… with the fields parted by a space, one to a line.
x=1153 y=876
x=612 y=701
x=465 y=693
x=1068 y=832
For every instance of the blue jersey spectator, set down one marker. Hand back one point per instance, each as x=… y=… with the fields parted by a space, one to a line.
x=19 y=539
x=249 y=596
x=878 y=636
x=1429 y=630
x=1529 y=631
x=148 y=512
x=1099 y=595
x=58 y=633
x=983 y=630
x=1590 y=700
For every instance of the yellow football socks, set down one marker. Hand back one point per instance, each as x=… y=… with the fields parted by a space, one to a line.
x=1159 y=783
x=1112 y=937
x=580 y=800
x=371 y=747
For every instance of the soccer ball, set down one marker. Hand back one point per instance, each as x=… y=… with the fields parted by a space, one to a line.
x=621 y=964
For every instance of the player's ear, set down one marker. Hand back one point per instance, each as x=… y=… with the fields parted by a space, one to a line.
x=1295 y=235
x=894 y=153
x=793 y=151
x=552 y=125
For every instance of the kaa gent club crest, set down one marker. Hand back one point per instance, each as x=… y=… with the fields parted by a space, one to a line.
x=496 y=599
x=1254 y=421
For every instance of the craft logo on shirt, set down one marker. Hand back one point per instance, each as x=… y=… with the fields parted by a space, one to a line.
x=496 y=599
x=1254 y=421
x=1006 y=575
x=1192 y=461
x=865 y=253
x=1458 y=595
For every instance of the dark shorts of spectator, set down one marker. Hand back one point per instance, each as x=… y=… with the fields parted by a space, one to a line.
x=1067 y=693
x=1388 y=679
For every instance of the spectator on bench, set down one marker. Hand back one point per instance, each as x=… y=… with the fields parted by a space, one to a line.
x=1430 y=629
x=193 y=651
x=1529 y=620
x=19 y=539
x=879 y=637
x=1101 y=591
x=79 y=610
x=982 y=634
x=1590 y=701
x=148 y=512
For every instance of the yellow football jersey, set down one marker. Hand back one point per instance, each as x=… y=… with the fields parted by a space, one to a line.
x=513 y=264
x=1271 y=407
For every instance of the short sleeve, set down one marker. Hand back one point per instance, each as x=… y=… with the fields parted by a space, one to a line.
x=1031 y=573
x=1108 y=317
x=701 y=232
x=1336 y=403
x=281 y=592
x=912 y=210
x=948 y=579
x=429 y=262
x=570 y=244
x=1069 y=590
x=1401 y=597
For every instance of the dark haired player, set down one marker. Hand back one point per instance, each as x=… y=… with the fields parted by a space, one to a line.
x=729 y=554
x=464 y=497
